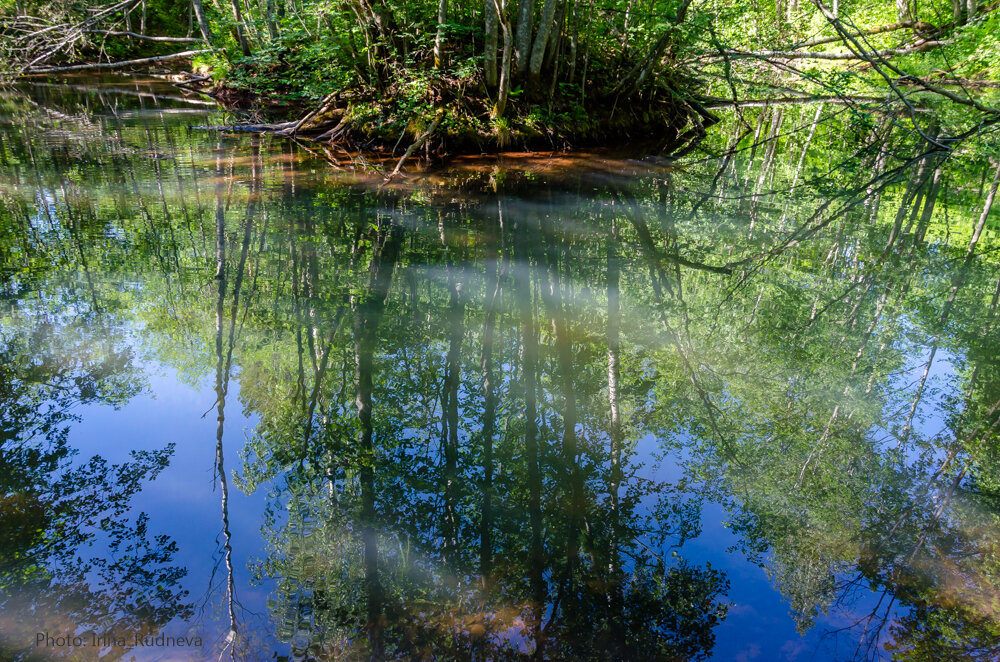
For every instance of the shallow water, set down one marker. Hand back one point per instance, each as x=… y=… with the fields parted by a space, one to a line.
x=735 y=407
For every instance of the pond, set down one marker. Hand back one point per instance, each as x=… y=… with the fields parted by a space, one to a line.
x=256 y=404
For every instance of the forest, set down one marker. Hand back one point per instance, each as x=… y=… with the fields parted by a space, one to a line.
x=451 y=76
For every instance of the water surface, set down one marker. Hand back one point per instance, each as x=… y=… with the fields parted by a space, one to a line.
x=740 y=406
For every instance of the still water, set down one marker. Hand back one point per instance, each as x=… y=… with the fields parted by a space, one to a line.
x=253 y=405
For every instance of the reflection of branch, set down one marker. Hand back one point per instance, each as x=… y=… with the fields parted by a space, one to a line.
x=818 y=448
x=811 y=226
x=320 y=373
x=952 y=454
x=647 y=241
x=867 y=619
x=675 y=335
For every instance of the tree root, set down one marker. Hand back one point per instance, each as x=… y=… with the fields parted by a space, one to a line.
x=421 y=139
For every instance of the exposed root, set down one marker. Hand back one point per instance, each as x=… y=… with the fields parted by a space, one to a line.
x=421 y=139
x=453 y=119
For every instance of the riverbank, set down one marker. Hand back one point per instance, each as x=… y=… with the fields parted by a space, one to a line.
x=411 y=81
x=455 y=79
x=452 y=117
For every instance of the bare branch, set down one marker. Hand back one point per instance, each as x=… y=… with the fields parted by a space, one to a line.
x=917 y=26
x=120 y=65
x=835 y=55
x=124 y=33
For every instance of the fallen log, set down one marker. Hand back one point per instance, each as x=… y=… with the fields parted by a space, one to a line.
x=118 y=65
x=967 y=82
x=249 y=128
x=790 y=101
x=133 y=93
x=332 y=135
x=918 y=26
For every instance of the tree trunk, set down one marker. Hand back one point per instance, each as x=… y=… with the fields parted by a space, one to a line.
x=903 y=10
x=272 y=26
x=542 y=38
x=241 y=35
x=552 y=59
x=504 y=87
x=626 y=25
x=586 y=52
x=492 y=24
x=522 y=40
x=439 y=36
x=573 y=38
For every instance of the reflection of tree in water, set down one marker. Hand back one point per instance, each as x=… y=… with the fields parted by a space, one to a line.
x=815 y=420
x=798 y=419
x=53 y=507
x=399 y=496
x=61 y=347
x=451 y=396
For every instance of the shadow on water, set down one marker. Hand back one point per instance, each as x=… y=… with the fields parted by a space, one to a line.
x=744 y=405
